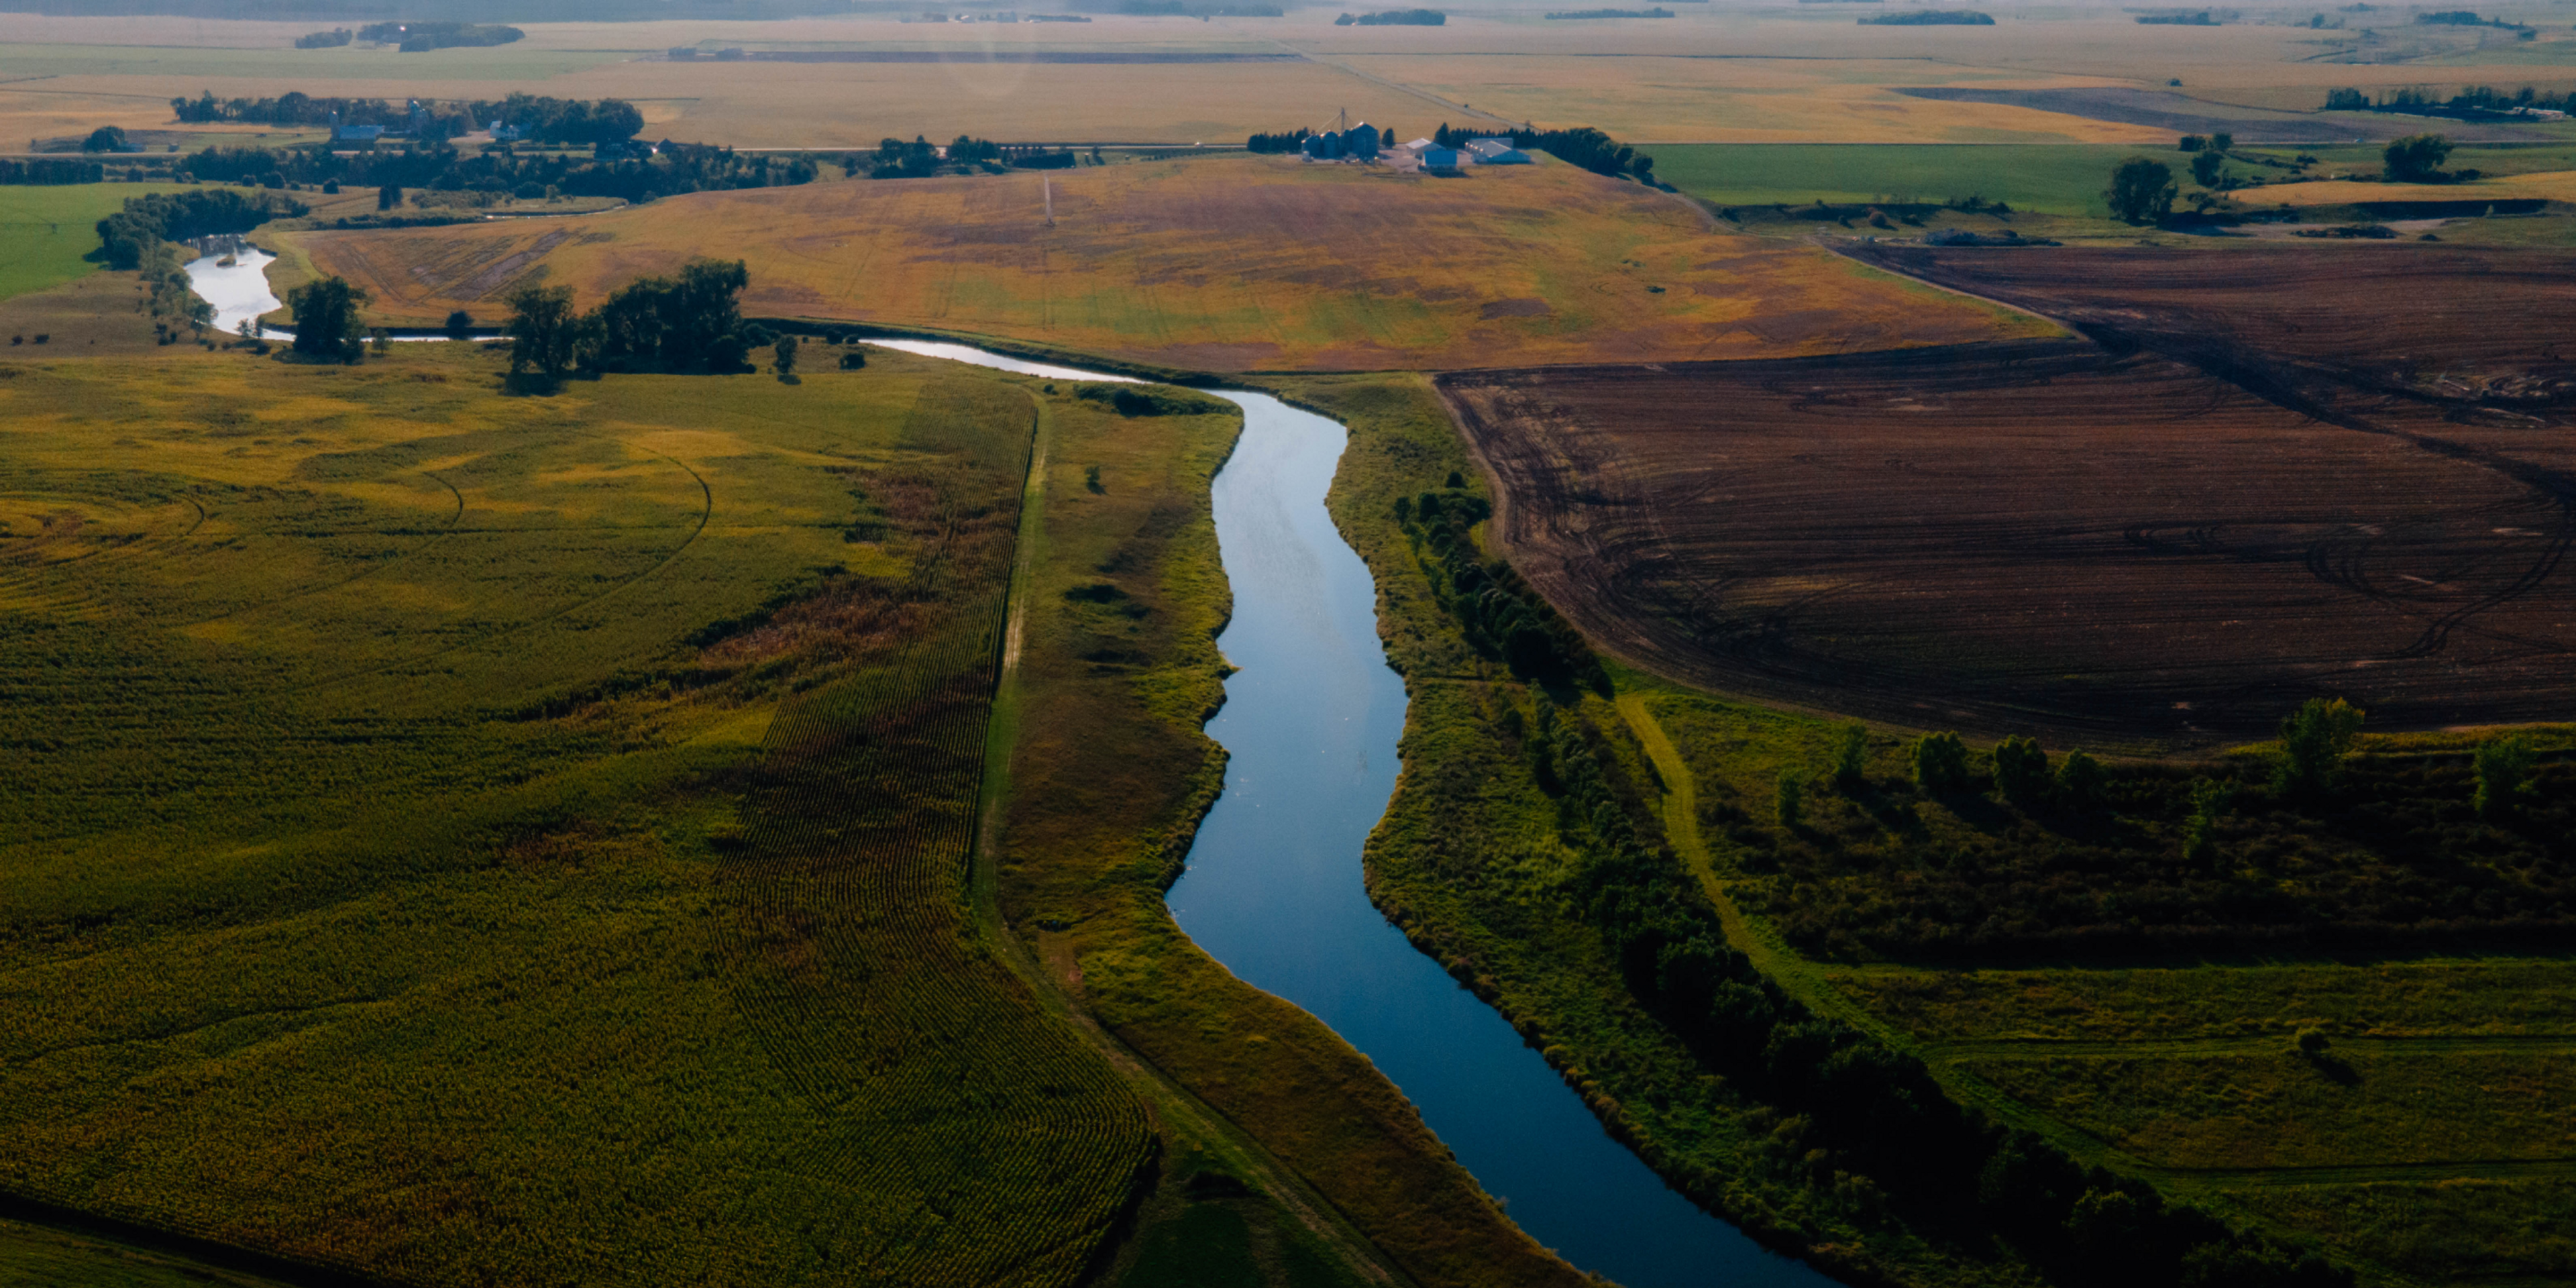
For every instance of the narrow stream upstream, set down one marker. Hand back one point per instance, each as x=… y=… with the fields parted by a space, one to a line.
x=1273 y=886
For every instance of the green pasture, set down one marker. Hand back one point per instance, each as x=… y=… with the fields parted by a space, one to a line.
x=45 y=231
x=388 y=884
x=2058 y=179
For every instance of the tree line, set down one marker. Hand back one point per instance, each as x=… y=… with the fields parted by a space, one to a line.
x=1291 y=141
x=2400 y=852
x=45 y=172
x=1583 y=146
x=1395 y=18
x=1499 y=614
x=1862 y=1116
x=2472 y=103
x=539 y=118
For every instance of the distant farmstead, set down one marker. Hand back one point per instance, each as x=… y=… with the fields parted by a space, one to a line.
x=1361 y=142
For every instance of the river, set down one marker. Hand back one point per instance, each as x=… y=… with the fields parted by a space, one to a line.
x=1273 y=885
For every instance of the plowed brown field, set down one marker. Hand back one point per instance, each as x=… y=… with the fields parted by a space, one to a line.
x=2260 y=485
x=1236 y=263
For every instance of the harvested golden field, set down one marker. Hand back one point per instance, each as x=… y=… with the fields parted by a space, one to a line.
x=2551 y=185
x=1232 y=263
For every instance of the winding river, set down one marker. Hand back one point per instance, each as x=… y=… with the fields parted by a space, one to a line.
x=1273 y=885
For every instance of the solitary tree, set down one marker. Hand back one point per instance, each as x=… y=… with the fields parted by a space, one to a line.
x=2200 y=831
x=1789 y=806
x=544 y=333
x=2314 y=741
x=2081 y=784
x=2222 y=142
x=2142 y=191
x=2207 y=168
x=2504 y=773
x=106 y=138
x=2417 y=158
x=326 y=319
x=2021 y=771
x=853 y=359
x=460 y=324
x=785 y=351
x=1941 y=763
x=1851 y=757
x=389 y=196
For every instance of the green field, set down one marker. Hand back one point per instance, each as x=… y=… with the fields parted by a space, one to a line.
x=2057 y=179
x=480 y=838
x=46 y=231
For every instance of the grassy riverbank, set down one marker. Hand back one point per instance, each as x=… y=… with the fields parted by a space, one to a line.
x=1110 y=772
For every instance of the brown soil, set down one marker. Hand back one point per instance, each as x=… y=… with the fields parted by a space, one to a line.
x=2256 y=484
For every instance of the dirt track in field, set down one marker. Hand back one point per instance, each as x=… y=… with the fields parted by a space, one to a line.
x=2252 y=485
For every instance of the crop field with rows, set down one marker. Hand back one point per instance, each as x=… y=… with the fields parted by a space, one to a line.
x=458 y=837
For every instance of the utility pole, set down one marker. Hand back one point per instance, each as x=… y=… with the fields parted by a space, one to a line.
x=1048 y=186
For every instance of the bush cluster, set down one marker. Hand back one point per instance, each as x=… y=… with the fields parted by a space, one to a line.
x=691 y=322
x=1151 y=400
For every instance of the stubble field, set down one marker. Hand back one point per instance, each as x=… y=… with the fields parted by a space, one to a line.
x=1243 y=263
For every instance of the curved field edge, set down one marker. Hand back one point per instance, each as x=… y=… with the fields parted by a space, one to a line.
x=1102 y=771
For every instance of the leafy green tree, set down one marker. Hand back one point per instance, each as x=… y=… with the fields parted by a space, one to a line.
x=1790 y=801
x=326 y=319
x=2081 y=783
x=2141 y=192
x=460 y=324
x=389 y=196
x=2207 y=168
x=784 y=355
x=854 y=359
x=1941 y=763
x=106 y=138
x=2417 y=158
x=544 y=332
x=2021 y=772
x=2314 y=741
x=2200 y=831
x=2222 y=142
x=2504 y=773
x=1851 y=757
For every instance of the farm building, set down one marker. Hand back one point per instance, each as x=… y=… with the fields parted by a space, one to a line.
x=1496 y=152
x=1439 y=158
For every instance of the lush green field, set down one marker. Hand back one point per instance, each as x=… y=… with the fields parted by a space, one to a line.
x=2058 y=179
x=45 y=231
x=473 y=838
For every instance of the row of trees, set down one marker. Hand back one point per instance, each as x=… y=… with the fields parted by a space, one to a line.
x=1583 y=146
x=540 y=118
x=1292 y=141
x=1861 y=1116
x=1501 y=616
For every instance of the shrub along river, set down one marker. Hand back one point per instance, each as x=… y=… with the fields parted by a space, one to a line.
x=1273 y=887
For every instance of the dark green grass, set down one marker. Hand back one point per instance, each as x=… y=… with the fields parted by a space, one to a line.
x=2058 y=179
x=46 y=231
